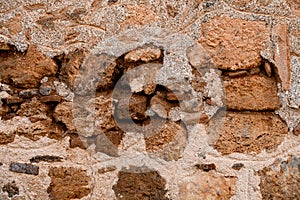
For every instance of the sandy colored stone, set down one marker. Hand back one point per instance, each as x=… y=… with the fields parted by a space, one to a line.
x=34 y=131
x=11 y=189
x=142 y=78
x=56 y=131
x=101 y=118
x=297 y=130
x=282 y=54
x=70 y=65
x=145 y=54
x=63 y=113
x=246 y=132
x=161 y=106
x=105 y=145
x=136 y=109
x=140 y=185
x=173 y=150
x=33 y=107
x=197 y=82
x=167 y=143
x=105 y=112
x=198 y=56
x=207 y=185
x=13 y=25
x=4 y=109
x=26 y=70
x=6 y=138
x=24 y=168
x=234 y=43
x=256 y=92
x=295 y=6
x=68 y=183
x=281 y=180
x=139 y=15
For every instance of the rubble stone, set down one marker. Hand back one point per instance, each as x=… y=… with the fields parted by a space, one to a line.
x=282 y=178
x=26 y=71
x=63 y=113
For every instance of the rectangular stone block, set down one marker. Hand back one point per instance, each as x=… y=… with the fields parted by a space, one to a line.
x=255 y=93
x=24 y=168
x=247 y=132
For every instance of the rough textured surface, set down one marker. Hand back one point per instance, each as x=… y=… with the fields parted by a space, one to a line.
x=142 y=185
x=282 y=178
x=282 y=55
x=144 y=54
x=240 y=135
x=234 y=43
x=68 y=183
x=27 y=70
x=11 y=189
x=24 y=168
x=251 y=93
x=212 y=88
x=63 y=113
x=209 y=185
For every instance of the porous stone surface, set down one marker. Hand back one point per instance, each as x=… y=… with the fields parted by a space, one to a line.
x=24 y=168
x=26 y=70
x=207 y=185
x=68 y=183
x=282 y=177
x=238 y=133
x=11 y=189
x=140 y=185
x=282 y=54
x=225 y=40
x=136 y=99
x=255 y=93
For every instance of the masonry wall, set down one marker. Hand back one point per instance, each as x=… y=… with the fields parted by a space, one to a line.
x=153 y=100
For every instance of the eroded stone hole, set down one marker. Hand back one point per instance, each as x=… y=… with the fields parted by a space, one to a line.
x=157 y=104
x=129 y=100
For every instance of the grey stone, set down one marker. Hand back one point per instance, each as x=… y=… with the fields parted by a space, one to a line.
x=27 y=93
x=24 y=168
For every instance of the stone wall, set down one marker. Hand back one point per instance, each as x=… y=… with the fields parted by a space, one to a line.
x=118 y=99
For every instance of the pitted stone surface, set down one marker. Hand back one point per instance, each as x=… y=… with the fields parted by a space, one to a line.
x=234 y=43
